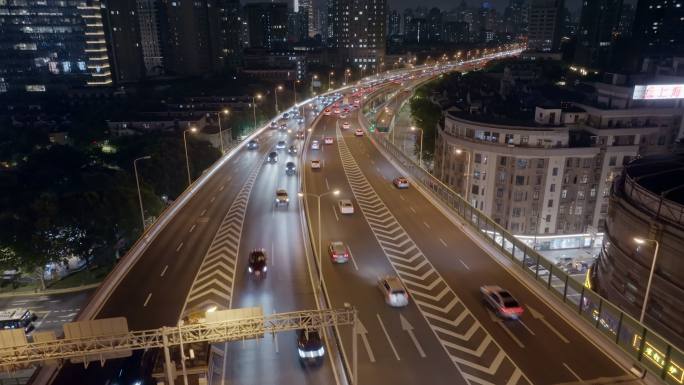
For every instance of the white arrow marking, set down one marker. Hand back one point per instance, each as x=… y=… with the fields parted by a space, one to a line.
x=361 y=331
x=179 y=247
x=212 y=199
x=525 y=326
x=464 y=264
x=402 y=198
x=499 y=322
x=192 y=228
x=164 y=271
x=426 y=225
x=412 y=209
x=537 y=315
x=408 y=328
x=444 y=243
x=203 y=212
x=388 y=337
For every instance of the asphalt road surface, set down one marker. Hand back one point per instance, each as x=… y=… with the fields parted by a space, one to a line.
x=399 y=232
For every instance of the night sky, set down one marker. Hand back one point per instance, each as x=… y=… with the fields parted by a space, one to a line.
x=448 y=4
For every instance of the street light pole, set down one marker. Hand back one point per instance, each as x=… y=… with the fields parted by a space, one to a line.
x=320 y=235
x=294 y=89
x=420 y=153
x=185 y=145
x=275 y=92
x=642 y=241
x=218 y=115
x=329 y=81
x=257 y=96
x=137 y=183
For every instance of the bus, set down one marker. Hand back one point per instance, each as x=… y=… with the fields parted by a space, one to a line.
x=17 y=318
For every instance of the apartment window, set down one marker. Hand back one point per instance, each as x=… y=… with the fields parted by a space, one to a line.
x=578 y=210
x=502 y=161
x=476 y=174
x=522 y=163
x=606 y=192
x=554 y=172
x=475 y=189
x=502 y=176
x=584 y=179
x=592 y=192
x=524 y=139
x=548 y=218
x=552 y=188
x=580 y=194
x=564 y=193
x=604 y=208
x=535 y=195
x=586 y=163
x=538 y=180
x=508 y=138
x=549 y=203
x=484 y=175
x=540 y=163
x=478 y=158
x=519 y=180
x=546 y=230
x=517 y=212
x=568 y=162
x=518 y=196
x=561 y=209
x=499 y=193
x=612 y=161
x=515 y=227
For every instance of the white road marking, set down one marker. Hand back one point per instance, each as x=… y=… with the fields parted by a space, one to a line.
x=335 y=212
x=192 y=228
x=499 y=322
x=408 y=328
x=179 y=247
x=537 y=315
x=147 y=300
x=352 y=258
x=464 y=264
x=388 y=337
x=426 y=224
x=572 y=372
x=525 y=326
x=444 y=243
x=402 y=197
x=327 y=186
x=203 y=212
x=275 y=338
x=164 y=271
x=412 y=209
x=362 y=332
x=378 y=169
x=272 y=254
x=222 y=187
x=212 y=199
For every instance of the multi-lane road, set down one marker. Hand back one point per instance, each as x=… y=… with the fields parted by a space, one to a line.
x=445 y=335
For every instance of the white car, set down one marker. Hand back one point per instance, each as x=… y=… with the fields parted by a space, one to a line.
x=315 y=164
x=328 y=140
x=346 y=206
x=401 y=182
x=315 y=145
x=358 y=132
x=346 y=125
x=393 y=291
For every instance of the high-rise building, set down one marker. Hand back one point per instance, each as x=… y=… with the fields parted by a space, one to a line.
x=434 y=27
x=394 y=23
x=121 y=22
x=297 y=26
x=659 y=26
x=455 y=32
x=148 y=21
x=306 y=10
x=267 y=24
x=407 y=17
x=230 y=33
x=598 y=22
x=544 y=24
x=357 y=31
x=50 y=44
x=417 y=31
x=515 y=17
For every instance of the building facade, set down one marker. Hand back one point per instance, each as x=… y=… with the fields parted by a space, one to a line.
x=600 y=19
x=553 y=175
x=52 y=44
x=659 y=26
x=357 y=31
x=267 y=24
x=646 y=203
x=544 y=24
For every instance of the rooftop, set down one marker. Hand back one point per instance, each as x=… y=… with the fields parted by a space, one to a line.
x=661 y=174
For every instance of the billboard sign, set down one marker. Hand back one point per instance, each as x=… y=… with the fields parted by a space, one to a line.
x=658 y=92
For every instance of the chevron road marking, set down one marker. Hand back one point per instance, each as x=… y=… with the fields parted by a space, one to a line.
x=213 y=284
x=472 y=350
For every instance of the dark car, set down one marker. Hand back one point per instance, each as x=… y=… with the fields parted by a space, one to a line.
x=272 y=157
x=252 y=144
x=257 y=263
x=290 y=168
x=310 y=347
x=292 y=150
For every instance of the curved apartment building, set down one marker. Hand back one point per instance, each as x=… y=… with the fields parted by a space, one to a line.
x=646 y=203
x=551 y=176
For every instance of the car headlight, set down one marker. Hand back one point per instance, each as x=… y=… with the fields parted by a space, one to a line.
x=276 y=200
x=287 y=200
x=249 y=269
x=265 y=269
